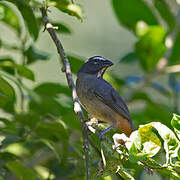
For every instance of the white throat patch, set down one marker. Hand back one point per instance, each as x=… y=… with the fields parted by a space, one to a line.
x=101 y=72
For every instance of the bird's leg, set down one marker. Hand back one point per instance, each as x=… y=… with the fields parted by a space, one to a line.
x=104 y=132
x=92 y=122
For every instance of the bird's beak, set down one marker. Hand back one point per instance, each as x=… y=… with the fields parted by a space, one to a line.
x=107 y=63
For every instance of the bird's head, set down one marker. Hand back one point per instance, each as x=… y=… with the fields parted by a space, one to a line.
x=95 y=65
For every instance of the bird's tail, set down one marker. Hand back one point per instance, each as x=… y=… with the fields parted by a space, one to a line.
x=126 y=127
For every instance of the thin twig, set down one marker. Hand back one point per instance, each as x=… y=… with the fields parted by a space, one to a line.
x=67 y=69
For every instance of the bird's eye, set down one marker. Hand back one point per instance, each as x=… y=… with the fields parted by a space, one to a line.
x=95 y=62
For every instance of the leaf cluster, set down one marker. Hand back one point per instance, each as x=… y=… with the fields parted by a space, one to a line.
x=40 y=136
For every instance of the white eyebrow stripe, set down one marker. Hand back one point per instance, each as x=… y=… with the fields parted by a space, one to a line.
x=100 y=58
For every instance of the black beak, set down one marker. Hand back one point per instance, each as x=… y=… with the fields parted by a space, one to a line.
x=107 y=63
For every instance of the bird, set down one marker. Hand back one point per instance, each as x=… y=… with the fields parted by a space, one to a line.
x=99 y=98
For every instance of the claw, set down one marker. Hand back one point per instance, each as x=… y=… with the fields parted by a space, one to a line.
x=90 y=123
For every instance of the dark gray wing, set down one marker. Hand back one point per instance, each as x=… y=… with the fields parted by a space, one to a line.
x=106 y=93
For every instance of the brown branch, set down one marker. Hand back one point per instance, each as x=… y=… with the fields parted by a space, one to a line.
x=67 y=69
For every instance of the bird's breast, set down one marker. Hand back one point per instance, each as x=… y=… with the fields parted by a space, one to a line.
x=85 y=90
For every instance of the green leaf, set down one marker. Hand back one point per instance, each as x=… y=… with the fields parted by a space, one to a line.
x=28 y=119
x=8 y=16
x=28 y=17
x=125 y=175
x=61 y=28
x=20 y=171
x=151 y=47
x=7 y=94
x=135 y=155
x=51 y=89
x=175 y=53
x=74 y=123
x=128 y=58
x=166 y=172
x=48 y=102
x=150 y=142
x=171 y=143
x=9 y=66
x=34 y=55
x=167 y=135
x=76 y=62
x=60 y=3
x=25 y=72
x=10 y=139
x=18 y=149
x=179 y=153
x=175 y=122
x=47 y=105
x=165 y=13
x=130 y=12
x=54 y=147
x=53 y=131
x=5 y=121
x=6 y=157
x=145 y=144
x=72 y=9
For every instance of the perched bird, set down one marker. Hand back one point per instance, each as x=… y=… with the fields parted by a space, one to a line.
x=99 y=98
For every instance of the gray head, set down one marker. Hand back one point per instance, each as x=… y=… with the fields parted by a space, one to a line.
x=96 y=65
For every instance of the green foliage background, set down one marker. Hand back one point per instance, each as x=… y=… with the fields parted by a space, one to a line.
x=40 y=136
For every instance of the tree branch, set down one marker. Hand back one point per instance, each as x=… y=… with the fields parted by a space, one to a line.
x=67 y=69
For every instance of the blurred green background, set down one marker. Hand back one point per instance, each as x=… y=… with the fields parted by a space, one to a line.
x=40 y=136
x=98 y=34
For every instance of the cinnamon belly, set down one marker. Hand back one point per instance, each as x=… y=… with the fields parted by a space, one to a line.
x=106 y=114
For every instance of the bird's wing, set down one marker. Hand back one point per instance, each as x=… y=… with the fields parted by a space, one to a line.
x=105 y=93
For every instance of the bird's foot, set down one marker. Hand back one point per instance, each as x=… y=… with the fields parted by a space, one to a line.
x=90 y=123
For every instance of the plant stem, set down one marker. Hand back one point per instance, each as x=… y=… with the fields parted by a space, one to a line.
x=67 y=69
